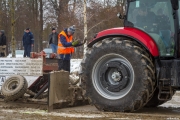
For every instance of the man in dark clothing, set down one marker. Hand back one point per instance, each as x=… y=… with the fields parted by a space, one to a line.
x=28 y=42
x=2 y=43
x=163 y=20
x=66 y=48
x=145 y=19
x=53 y=40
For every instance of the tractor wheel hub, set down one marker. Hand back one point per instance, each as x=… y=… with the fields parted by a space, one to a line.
x=116 y=76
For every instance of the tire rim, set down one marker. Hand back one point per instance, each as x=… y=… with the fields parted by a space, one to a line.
x=12 y=84
x=113 y=76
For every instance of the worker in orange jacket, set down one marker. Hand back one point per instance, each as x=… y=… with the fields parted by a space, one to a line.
x=66 y=48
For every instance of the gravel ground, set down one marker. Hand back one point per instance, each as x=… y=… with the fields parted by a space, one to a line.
x=24 y=111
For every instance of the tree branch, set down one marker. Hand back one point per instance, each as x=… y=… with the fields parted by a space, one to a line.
x=97 y=24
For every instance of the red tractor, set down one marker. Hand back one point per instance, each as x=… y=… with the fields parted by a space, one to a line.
x=137 y=65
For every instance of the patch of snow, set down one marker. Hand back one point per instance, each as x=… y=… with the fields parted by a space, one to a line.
x=44 y=113
x=77 y=115
x=75 y=77
x=120 y=118
x=75 y=65
x=9 y=111
x=169 y=105
x=172 y=118
x=174 y=103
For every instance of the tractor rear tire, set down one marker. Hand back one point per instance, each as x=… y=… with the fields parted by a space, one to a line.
x=14 y=87
x=117 y=75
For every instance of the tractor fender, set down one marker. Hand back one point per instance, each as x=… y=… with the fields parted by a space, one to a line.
x=133 y=33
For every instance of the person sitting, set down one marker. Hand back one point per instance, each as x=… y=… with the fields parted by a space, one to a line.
x=164 y=29
x=145 y=19
x=163 y=21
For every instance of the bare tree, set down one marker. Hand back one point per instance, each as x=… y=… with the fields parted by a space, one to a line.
x=13 y=41
x=85 y=25
x=89 y=16
x=41 y=25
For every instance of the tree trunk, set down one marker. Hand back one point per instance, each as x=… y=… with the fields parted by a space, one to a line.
x=40 y=26
x=13 y=41
x=63 y=13
x=85 y=25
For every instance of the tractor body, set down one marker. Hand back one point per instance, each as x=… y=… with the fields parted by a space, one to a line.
x=136 y=65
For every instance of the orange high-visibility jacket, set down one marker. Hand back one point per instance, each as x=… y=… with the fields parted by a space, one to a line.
x=61 y=48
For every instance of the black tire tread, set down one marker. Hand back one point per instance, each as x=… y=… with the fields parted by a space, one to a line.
x=11 y=96
x=149 y=82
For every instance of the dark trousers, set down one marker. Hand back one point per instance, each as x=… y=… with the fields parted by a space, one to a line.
x=2 y=55
x=27 y=50
x=64 y=65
